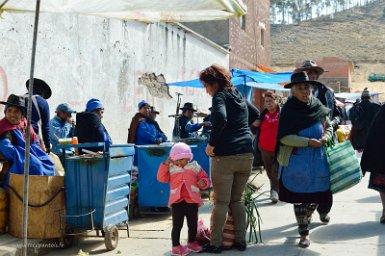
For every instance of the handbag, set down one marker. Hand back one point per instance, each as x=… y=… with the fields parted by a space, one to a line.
x=345 y=170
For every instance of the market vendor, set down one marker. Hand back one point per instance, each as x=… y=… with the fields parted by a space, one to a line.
x=152 y=118
x=152 y=121
x=12 y=140
x=61 y=126
x=187 y=128
x=40 y=111
x=206 y=131
x=148 y=131
x=143 y=113
x=89 y=127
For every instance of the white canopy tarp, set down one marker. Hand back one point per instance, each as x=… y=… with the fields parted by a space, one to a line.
x=138 y=10
x=353 y=96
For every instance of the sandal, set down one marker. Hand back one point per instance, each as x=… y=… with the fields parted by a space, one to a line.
x=304 y=243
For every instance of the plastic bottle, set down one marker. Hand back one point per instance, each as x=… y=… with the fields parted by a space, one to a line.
x=75 y=142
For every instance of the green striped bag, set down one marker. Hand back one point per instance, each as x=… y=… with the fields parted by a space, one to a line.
x=345 y=170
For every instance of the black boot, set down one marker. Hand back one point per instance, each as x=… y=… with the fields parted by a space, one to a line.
x=213 y=249
x=241 y=246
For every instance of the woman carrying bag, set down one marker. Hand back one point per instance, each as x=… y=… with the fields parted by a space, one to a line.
x=304 y=172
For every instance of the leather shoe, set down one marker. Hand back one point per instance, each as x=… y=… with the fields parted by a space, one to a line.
x=240 y=246
x=213 y=249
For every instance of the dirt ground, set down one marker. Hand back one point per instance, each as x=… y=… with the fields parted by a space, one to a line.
x=356 y=34
x=360 y=79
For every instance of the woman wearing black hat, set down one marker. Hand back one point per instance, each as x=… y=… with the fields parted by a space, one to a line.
x=40 y=110
x=303 y=128
x=230 y=147
x=187 y=127
x=12 y=140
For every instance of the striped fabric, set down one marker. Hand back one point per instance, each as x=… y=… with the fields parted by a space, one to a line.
x=228 y=238
x=228 y=232
x=345 y=170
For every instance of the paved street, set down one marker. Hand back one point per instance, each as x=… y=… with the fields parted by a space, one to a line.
x=354 y=229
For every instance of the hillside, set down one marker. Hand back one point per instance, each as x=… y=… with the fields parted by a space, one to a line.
x=357 y=34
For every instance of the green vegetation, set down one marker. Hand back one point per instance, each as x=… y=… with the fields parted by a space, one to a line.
x=295 y=11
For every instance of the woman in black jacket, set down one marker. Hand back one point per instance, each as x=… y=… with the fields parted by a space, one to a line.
x=373 y=157
x=230 y=147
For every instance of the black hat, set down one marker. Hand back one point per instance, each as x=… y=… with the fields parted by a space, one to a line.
x=298 y=78
x=310 y=65
x=14 y=100
x=153 y=110
x=188 y=106
x=40 y=86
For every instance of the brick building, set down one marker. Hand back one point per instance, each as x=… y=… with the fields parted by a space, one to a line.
x=247 y=37
x=338 y=73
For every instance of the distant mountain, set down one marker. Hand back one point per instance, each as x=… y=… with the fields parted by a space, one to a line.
x=356 y=34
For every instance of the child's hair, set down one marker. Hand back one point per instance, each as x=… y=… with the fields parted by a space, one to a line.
x=270 y=94
x=181 y=150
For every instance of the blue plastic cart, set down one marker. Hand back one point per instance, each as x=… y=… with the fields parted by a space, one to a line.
x=97 y=192
x=151 y=192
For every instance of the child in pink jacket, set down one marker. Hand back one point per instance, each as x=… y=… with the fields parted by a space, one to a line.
x=186 y=180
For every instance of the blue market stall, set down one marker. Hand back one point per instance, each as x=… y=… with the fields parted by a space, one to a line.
x=152 y=193
x=97 y=189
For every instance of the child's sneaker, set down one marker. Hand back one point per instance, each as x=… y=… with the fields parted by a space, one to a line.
x=195 y=247
x=180 y=251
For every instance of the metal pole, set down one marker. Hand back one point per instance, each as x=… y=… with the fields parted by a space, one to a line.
x=28 y=137
x=176 y=123
x=244 y=86
x=1 y=5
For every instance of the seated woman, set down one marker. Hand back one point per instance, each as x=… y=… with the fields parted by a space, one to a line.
x=142 y=115
x=147 y=133
x=89 y=127
x=12 y=141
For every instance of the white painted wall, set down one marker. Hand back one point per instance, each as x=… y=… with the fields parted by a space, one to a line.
x=89 y=57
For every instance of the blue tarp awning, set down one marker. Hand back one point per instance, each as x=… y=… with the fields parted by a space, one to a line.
x=264 y=86
x=259 y=77
x=269 y=81
x=196 y=83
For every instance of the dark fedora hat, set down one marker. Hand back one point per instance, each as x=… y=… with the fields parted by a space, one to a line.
x=310 y=65
x=14 y=100
x=153 y=110
x=188 y=106
x=298 y=78
x=40 y=87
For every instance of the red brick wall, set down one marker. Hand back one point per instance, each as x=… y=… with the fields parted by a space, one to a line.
x=335 y=67
x=246 y=49
x=338 y=70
